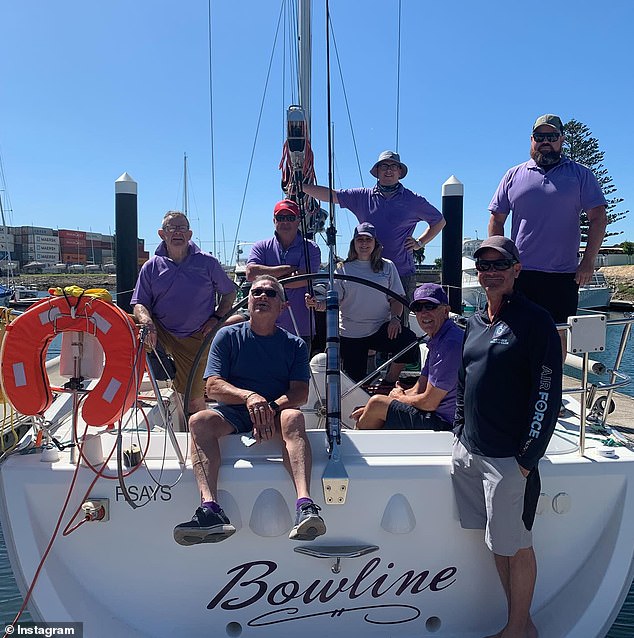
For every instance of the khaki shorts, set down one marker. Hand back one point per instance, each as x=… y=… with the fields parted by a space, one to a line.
x=490 y=496
x=184 y=350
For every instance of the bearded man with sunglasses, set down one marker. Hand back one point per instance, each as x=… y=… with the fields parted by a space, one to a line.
x=508 y=398
x=175 y=301
x=430 y=404
x=284 y=255
x=546 y=196
x=258 y=373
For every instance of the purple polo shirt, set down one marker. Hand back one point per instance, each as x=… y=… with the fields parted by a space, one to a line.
x=546 y=209
x=442 y=364
x=181 y=297
x=394 y=218
x=269 y=252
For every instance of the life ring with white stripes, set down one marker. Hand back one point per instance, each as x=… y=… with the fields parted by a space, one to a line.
x=23 y=355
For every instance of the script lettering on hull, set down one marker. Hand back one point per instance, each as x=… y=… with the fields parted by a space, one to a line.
x=255 y=582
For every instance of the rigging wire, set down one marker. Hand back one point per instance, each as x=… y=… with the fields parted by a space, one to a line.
x=257 y=131
x=211 y=130
x=345 y=98
x=398 y=76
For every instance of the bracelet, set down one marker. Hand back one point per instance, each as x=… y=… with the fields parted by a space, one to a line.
x=247 y=397
x=397 y=317
x=216 y=316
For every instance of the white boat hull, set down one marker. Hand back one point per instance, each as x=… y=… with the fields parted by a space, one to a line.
x=127 y=576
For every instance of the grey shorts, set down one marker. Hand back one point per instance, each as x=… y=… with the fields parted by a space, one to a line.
x=490 y=495
x=402 y=416
x=236 y=415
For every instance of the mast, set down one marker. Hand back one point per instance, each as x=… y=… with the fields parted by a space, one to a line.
x=185 y=200
x=305 y=59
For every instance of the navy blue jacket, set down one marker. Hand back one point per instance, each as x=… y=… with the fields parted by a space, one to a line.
x=509 y=384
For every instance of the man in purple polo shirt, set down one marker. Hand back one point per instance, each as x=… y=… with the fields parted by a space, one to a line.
x=175 y=299
x=284 y=255
x=393 y=210
x=546 y=196
x=431 y=403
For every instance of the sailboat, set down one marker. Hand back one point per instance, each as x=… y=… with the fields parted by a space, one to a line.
x=88 y=514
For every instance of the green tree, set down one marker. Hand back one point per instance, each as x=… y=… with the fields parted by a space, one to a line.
x=438 y=262
x=419 y=255
x=628 y=247
x=580 y=146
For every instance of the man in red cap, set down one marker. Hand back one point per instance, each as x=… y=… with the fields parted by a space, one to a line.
x=286 y=254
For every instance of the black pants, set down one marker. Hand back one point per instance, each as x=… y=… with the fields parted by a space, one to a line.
x=354 y=352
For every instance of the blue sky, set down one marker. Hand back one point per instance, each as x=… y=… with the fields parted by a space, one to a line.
x=93 y=89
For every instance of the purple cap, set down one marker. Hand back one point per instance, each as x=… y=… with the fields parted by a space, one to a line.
x=366 y=229
x=431 y=292
x=503 y=245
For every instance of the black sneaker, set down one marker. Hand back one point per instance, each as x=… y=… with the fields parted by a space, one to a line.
x=206 y=526
x=308 y=524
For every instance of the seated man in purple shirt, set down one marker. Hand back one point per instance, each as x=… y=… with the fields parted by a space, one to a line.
x=284 y=255
x=431 y=403
x=175 y=299
x=393 y=210
x=546 y=196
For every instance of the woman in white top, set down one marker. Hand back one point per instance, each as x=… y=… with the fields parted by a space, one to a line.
x=368 y=318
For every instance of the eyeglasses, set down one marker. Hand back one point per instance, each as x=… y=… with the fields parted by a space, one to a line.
x=484 y=265
x=269 y=292
x=541 y=137
x=419 y=306
x=389 y=167
x=174 y=229
x=285 y=218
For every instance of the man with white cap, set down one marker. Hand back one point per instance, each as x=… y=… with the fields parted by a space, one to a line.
x=546 y=196
x=508 y=397
x=393 y=210
x=430 y=404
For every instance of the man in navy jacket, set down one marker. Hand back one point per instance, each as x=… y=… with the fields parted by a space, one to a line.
x=508 y=398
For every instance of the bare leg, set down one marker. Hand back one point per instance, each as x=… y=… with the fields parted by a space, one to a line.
x=375 y=413
x=206 y=428
x=296 y=451
x=518 y=574
x=196 y=405
x=394 y=372
x=563 y=336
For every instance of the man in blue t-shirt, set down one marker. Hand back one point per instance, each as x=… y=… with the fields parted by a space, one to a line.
x=258 y=373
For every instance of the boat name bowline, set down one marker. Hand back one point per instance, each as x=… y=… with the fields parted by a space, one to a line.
x=253 y=575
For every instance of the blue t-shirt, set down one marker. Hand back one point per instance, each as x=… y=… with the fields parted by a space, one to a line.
x=265 y=365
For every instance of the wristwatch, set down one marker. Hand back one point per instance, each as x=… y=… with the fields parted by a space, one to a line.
x=274 y=407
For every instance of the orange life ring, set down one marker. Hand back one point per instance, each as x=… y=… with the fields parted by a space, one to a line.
x=23 y=356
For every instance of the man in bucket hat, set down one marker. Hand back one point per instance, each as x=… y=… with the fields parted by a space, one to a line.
x=394 y=211
x=431 y=403
x=546 y=197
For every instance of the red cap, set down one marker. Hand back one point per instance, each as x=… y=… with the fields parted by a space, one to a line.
x=286 y=204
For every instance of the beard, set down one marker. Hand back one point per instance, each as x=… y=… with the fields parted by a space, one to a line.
x=546 y=158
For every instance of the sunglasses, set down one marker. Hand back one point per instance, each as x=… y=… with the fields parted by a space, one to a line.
x=389 y=167
x=173 y=229
x=269 y=292
x=419 y=306
x=541 y=137
x=484 y=265
x=285 y=218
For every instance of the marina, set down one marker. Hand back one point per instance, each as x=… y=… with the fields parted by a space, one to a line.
x=97 y=469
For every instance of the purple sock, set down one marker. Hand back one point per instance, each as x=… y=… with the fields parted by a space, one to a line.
x=302 y=501
x=212 y=505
